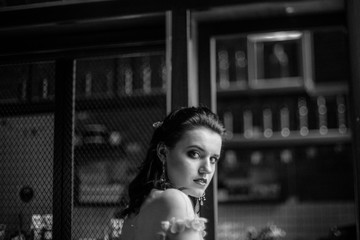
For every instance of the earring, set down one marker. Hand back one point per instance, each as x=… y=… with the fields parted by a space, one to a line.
x=202 y=199
x=163 y=178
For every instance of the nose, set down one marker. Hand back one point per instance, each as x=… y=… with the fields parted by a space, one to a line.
x=206 y=167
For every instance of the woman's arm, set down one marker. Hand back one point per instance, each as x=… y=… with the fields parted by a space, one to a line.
x=170 y=215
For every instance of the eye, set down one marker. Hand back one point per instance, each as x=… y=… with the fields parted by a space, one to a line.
x=194 y=154
x=214 y=160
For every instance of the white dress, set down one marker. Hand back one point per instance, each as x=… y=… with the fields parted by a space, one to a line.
x=177 y=226
x=165 y=215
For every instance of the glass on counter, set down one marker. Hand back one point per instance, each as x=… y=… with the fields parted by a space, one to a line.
x=41 y=226
x=2 y=231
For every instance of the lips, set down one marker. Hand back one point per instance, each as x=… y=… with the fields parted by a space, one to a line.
x=201 y=181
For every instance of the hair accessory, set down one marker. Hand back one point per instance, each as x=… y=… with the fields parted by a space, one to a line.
x=202 y=199
x=157 y=124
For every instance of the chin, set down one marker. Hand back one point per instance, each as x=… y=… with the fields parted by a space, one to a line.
x=195 y=192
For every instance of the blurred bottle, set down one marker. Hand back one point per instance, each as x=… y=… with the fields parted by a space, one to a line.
x=343 y=233
x=322 y=115
x=241 y=68
x=88 y=84
x=267 y=122
x=163 y=73
x=303 y=116
x=2 y=231
x=109 y=83
x=114 y=231
x=248 y=123
x=36 y=227
x=128 y=79
x=229 y=123
x=44 y=88
x=146 y=74
x=125 y=77
x=341 y=113
x=285 y=121
x=47 y=227
x=223 y=61
x=23 y=90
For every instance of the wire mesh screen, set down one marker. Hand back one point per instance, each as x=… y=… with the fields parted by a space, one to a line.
x=26 y=149
x=118 y=98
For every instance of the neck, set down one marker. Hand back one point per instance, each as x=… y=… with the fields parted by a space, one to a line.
x=195 y=204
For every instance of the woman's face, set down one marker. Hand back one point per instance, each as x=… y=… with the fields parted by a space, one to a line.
x=191 y=163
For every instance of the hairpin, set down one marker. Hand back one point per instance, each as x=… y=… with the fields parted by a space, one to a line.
x=157 y=124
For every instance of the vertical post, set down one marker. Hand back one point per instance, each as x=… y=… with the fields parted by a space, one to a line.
x=184 y=91
x=178 y=21
x=63 y=149
x=207 y=97
x=353 y=19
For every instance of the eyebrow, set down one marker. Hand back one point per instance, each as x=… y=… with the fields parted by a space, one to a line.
x=200 y=148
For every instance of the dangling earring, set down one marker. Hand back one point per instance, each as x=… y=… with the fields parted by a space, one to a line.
x=161 y=152
x=163 y=178
x=202 y=199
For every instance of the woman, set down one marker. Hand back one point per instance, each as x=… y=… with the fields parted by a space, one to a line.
x=166 y=194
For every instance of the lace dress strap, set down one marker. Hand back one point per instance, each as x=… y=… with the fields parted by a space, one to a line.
x=176 y=226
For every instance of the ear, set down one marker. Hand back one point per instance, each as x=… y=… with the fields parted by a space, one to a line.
x=161 y=151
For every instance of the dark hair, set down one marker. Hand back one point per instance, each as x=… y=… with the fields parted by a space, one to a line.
x=168 y=132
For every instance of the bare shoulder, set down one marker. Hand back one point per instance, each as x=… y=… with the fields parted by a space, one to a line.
x=171 y=203
x=174 y=197
x=167 y=207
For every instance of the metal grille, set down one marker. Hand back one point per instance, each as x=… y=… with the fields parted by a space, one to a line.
x=26 y=148
x=117 y=101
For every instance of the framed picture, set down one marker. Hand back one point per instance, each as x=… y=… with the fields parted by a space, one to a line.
x=279 y=59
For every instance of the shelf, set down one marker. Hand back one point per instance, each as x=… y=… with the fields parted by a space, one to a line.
x=156 y=98
x=93 y=103
x=294 y=139
x=235 y=90
x=25 y=108
x=118 y=102
x=328 y=89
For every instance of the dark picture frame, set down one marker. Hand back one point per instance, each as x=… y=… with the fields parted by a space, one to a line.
x=279 y=59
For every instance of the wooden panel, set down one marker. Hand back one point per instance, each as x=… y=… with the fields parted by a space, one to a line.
x=353 y=16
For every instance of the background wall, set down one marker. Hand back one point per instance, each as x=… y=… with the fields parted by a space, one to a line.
x=26 y=159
